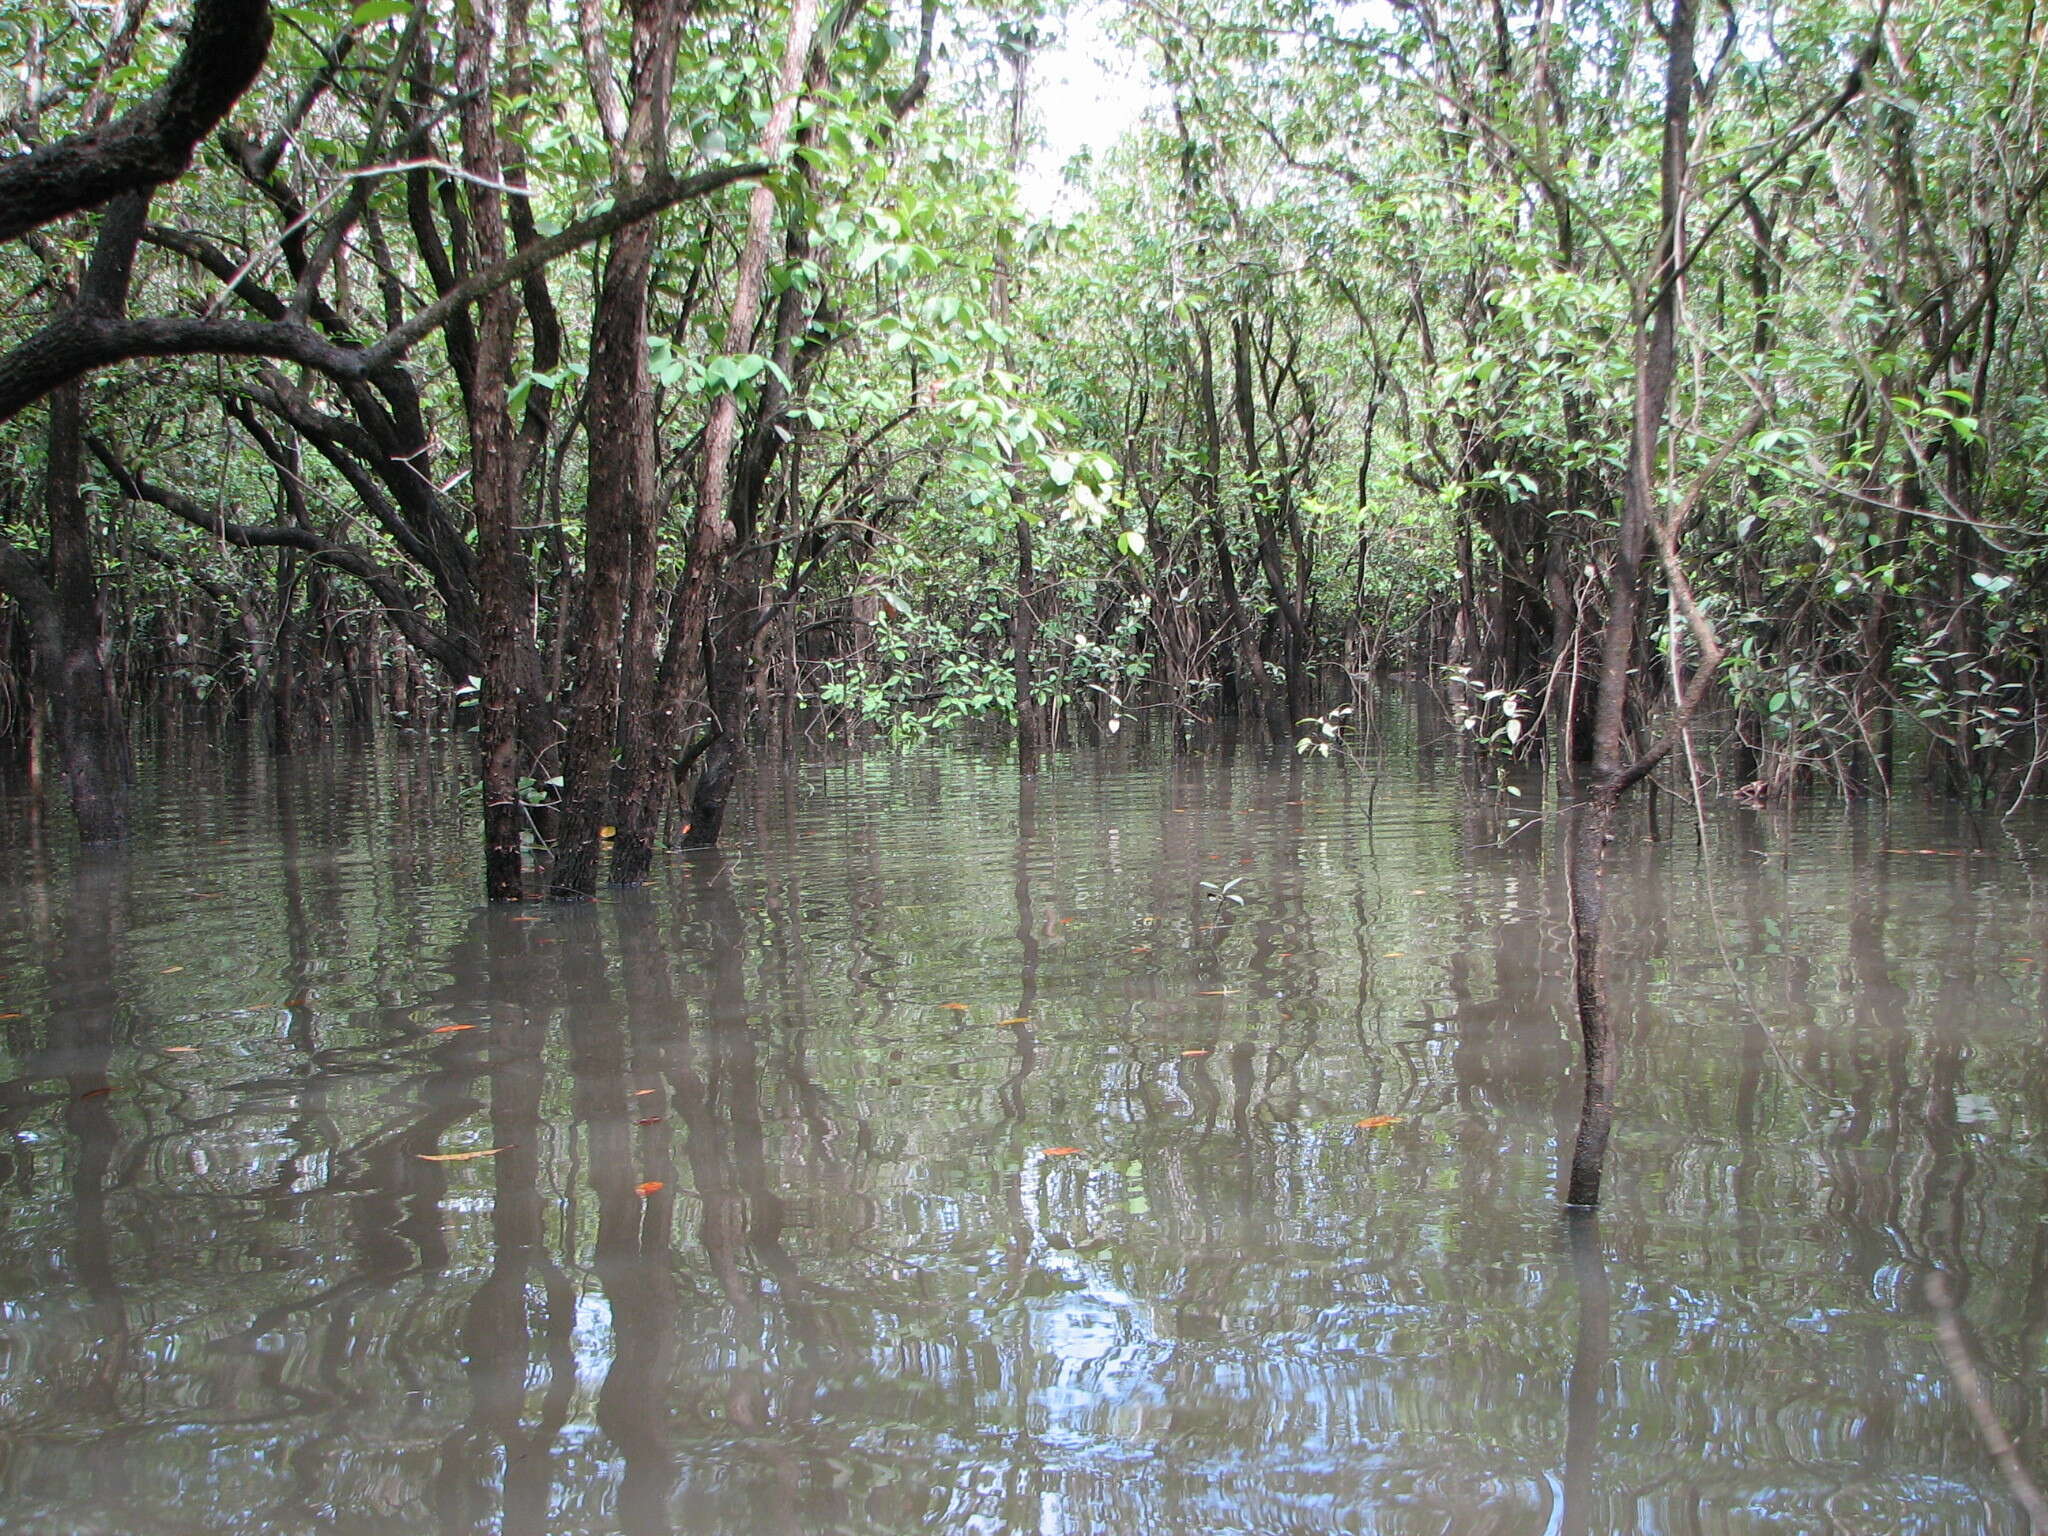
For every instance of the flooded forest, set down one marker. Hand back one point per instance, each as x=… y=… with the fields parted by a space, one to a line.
x=1076 y=767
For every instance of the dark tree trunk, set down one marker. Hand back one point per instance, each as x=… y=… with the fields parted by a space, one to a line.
x=722 y=762
x=620 y=518
x=510 y=703
x=86 y=723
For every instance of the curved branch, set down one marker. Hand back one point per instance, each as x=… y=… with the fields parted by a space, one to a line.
x=456 y=659
x=77 y=344
x=224 y=49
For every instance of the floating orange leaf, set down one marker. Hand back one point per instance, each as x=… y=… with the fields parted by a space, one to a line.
x=1194 y=1053
x=1375 y=1122
x=1062 y=1151
x=463 y=1157
x=1021 y=1019
x=9 y=1015
x=641 y=1093
x=449 y=1029
x=644 y=1190
x=179 y=1050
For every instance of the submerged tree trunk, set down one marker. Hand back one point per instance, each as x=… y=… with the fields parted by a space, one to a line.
x=86 y=723
x=1023 y=655
x=510 y=701
x=653 y=728
x=67 y=616
x=622 y=515
x=1592 y=826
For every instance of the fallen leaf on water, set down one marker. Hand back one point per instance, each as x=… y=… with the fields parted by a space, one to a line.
x=462 y=1157
x=644 y=1190
x=1062 y=1151
x=1194 y=1053
x=641 y=1093
x=1021 y=1019
x=955 y=1007
x=449 y=1029
x=656 y=1120
x=1374 y=1122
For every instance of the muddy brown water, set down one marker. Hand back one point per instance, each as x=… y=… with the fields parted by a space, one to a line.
x=953 y=1158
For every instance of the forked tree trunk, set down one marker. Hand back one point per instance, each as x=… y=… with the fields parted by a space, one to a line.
x=652 y=729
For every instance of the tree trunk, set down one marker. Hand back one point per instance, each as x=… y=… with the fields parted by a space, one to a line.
x=510 y=702
x=1592 y=827
x=653 y=729
x=1023 y=655
x=86 y=722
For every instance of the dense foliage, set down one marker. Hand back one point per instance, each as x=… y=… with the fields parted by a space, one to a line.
x=642 y=385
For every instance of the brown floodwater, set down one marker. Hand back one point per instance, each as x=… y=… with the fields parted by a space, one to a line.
x=949 y=1157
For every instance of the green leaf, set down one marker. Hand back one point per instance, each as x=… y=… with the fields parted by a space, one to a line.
x=370 y=12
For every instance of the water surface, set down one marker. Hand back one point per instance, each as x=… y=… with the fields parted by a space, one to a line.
x=956 y=1158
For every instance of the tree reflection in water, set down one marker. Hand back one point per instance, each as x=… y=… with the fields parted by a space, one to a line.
x=765 y=1238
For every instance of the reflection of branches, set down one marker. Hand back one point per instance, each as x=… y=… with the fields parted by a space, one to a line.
x=1962 y=1370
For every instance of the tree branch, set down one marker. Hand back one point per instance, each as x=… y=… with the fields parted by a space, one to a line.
x=224 y=48
x=77 y=344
